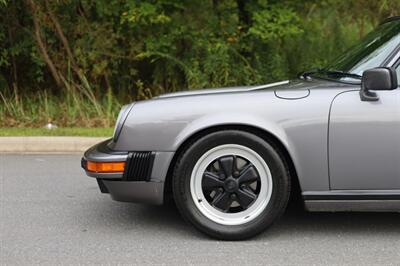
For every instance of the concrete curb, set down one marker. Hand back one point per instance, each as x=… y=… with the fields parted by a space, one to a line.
x=46 y=144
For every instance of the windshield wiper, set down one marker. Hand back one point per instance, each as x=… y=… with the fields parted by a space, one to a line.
x=328 y=72
x=339 y=73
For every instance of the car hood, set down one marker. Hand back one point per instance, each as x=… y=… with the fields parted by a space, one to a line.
x=223 y=90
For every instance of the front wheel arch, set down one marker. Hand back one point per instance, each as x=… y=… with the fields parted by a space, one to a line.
x=267 y=136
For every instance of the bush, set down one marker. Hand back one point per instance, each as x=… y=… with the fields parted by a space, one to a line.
x=77 y=61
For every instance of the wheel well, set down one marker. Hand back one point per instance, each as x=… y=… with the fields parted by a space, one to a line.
x=296 y=190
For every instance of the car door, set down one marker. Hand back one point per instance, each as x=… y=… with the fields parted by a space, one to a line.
x=364 y=142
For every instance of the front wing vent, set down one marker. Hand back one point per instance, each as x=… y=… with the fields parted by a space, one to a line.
x=139 y=166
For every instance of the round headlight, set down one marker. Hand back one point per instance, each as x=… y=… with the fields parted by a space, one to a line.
x=123 y=114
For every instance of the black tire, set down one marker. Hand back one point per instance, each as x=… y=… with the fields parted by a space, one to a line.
x=187 y=161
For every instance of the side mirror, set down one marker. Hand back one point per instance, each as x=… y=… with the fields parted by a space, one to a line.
x=377 y=79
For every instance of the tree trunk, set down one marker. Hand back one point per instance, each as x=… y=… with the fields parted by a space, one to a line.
x=61 y=35
x=14 y=65
x=243 y=14
x=41 y=44
x=11 y=34
x=65 y=43
x=244 y=23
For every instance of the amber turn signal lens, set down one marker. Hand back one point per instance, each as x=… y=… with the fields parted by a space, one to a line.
x=105 y=167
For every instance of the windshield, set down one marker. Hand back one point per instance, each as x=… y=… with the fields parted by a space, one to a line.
x=371 y=52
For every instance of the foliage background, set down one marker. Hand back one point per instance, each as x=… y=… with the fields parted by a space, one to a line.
x=75 y=62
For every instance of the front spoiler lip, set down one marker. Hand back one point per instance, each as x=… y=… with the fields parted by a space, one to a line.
x=135 y=191
x=102 y=153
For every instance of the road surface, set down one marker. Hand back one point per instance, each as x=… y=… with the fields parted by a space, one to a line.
x=51 y=213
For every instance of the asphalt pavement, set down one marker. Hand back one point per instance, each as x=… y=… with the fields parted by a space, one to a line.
x=51 y=213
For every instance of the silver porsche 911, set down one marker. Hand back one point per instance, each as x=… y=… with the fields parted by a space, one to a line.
x=232 y=157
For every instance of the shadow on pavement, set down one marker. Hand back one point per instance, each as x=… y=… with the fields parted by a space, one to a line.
x=295 y=221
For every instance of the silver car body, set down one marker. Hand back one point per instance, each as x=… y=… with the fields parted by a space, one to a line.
x=345 y=152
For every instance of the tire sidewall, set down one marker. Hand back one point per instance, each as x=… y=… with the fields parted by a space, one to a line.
x=183 y=174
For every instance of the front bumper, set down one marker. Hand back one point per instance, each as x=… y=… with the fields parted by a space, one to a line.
x=142 y=180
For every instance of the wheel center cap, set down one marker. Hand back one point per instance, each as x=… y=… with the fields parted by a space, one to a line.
x=231 y=185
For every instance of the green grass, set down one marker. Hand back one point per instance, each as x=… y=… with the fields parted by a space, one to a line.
x=73 y=109
x=84 y=132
